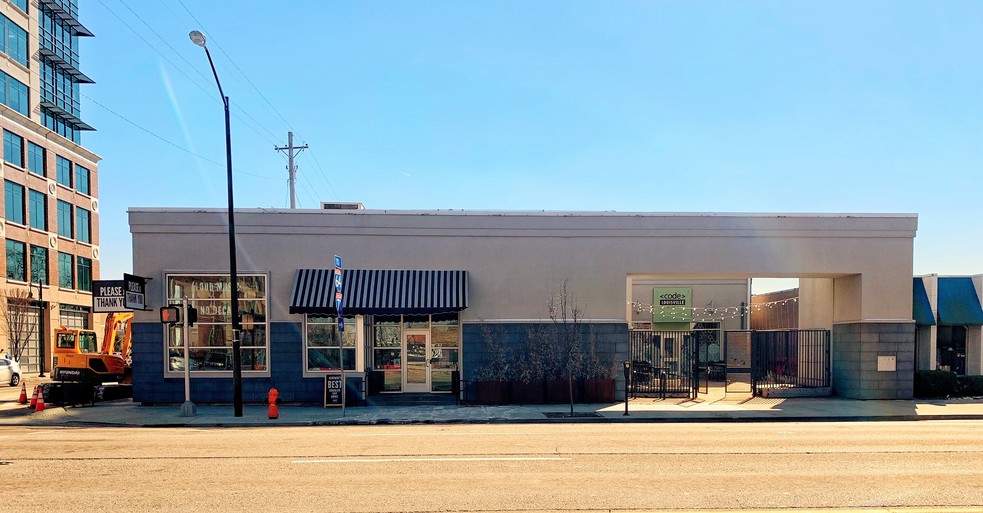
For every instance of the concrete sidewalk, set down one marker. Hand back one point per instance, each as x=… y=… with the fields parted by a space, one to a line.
x=127 y=413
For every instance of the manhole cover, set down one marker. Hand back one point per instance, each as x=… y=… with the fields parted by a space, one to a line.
x=568 y=415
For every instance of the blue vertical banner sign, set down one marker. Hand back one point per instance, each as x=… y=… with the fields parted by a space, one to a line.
x=338 y=302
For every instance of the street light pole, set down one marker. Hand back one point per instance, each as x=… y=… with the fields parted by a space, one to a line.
x=41 y=336
x=199 y=39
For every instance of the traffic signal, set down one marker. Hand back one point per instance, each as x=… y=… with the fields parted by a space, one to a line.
x=170 y=314
x=192 y=316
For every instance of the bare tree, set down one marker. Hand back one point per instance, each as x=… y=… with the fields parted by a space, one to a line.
x=567 y=317
x=17 y=321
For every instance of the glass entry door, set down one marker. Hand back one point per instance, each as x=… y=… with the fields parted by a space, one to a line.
x=416 y=369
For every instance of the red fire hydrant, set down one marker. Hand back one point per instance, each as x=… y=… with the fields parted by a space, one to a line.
x=273 y=399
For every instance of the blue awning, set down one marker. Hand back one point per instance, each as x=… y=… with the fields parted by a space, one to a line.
x=380 y=291
x=921 y=309
x=958 y=302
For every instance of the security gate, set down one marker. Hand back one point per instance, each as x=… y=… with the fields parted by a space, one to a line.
x=668 y=363
x=789 y=359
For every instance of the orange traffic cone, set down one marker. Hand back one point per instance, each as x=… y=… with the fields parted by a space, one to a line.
x=23 y=393
x=40 y=406
x=34 y=398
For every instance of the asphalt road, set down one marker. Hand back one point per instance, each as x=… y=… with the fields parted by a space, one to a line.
x=515 y=467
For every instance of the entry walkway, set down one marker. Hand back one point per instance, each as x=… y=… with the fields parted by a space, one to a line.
x=127 y=413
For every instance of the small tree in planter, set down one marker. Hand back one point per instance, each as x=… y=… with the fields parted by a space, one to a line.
x=493 y=374
x=528 y=381
x=567 y=317
x=599 y=381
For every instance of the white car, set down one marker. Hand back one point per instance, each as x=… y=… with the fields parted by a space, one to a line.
x=9 y=371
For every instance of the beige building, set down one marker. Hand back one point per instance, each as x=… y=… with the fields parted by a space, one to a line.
x=424 y=291
x=51 y=210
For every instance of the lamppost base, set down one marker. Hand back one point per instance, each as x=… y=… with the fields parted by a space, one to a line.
x=188 y=409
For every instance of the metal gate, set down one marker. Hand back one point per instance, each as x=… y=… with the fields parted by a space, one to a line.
x=789 y=359
x=669 y=363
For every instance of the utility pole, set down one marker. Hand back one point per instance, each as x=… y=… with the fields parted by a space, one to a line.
x=291 y=151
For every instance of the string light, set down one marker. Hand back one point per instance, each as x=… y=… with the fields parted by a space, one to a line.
x=685 y=313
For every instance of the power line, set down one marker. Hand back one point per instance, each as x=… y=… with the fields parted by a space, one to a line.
x=180 y=69
x=236 y=66
x=202 y=157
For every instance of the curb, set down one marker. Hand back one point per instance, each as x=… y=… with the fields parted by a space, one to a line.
x=191 y=423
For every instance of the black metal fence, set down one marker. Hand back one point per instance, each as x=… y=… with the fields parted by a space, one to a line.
x=664 y=363
x=789 y=359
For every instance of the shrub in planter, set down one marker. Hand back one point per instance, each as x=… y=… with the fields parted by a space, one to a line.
x=558 y=391
x=969 y=386
x=528 y=392
x=935 y=384
x=492 y=392
x=599 y=390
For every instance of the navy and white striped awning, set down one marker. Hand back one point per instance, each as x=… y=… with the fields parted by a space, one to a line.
x=380 y=291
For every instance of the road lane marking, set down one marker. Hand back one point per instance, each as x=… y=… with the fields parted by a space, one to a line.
x=488 y=433
x=405 y=460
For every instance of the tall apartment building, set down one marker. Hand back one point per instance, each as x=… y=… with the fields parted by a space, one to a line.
x=50 y=224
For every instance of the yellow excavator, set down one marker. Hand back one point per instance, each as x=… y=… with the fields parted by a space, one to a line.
x=78 y=357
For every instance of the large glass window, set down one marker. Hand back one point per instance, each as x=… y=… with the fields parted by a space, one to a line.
x=38 y=210
x=386 y=340
x=14 y=94
x=13 y=196
x=327 y=347
x=84 y=274
x=64 y=219
x=13 y=148
x=16 y=261
x=387 y=353
x=39 y=264
x=14 y=42
x=63 y=169
x=82 y=179
x=66 y=270
x=83 y=225
x=951 y=349
x=210 y=347
x=35 y=158
x=22 y=4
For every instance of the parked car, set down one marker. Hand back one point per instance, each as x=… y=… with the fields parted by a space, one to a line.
x=9 y=371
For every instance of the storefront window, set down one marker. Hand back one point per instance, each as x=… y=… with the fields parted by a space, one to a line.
x=387 y=350
x=442 y=349
x=210 y=346
x=328 y=348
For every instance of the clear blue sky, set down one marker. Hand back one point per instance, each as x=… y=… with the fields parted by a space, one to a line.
x=628 y=106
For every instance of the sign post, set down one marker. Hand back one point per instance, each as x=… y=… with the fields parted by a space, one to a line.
x=338 y=300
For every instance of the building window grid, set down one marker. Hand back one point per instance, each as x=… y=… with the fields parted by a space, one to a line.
x=83 y=226
x=39 y=264
x=14 y=94
x=82 y=179
x=36 y=156
x=13 y=195
x=16 y=264
x=84 y=273
x=65 y=219
x=63 y=171
x=66 y=270
x=13 y=148
x=58 y=38
x=14 y=40
x=60 y=126
x=20 y=4
x=59 y=87
x=38 y=210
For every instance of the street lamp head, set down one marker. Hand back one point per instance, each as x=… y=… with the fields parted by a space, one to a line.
x=197 y=38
